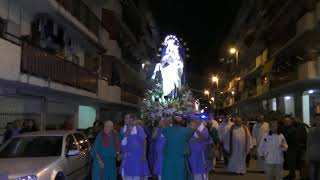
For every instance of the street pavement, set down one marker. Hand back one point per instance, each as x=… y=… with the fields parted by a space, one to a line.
x=222 y=174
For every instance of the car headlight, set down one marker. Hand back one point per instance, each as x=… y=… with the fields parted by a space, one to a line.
x=31 y=177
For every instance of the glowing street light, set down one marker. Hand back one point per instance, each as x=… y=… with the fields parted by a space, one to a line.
x=233 y=50
x=215 y=79
x=212 y=99
x=206 y=92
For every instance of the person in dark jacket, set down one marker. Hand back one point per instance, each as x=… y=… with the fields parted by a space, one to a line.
x=296 y=136
x=313 y=148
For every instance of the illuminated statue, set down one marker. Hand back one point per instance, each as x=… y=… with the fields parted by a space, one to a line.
x=170 y=67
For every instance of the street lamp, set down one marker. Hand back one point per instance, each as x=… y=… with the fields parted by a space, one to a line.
x=234 y=51
x=206 y=92
x=212 y=99
x=215 y=79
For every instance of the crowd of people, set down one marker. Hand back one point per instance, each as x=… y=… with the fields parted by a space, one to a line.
x=187 y=148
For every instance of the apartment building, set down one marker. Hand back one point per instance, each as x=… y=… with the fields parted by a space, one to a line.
x=78 y=59
x=274 y=64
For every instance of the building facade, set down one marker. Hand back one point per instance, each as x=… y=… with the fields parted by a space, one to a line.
x=78 y=59
x=274 y=64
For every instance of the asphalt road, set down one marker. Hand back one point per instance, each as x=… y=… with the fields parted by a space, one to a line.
x=222 y=174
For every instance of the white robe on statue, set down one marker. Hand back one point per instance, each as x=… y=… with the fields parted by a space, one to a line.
x=258 y=132
x=237 y=161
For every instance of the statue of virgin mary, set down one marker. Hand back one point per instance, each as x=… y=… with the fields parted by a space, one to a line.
x=170 y=67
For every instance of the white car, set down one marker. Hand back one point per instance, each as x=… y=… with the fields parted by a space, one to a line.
x=48 y=155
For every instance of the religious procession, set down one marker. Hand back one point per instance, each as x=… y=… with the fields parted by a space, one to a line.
x=174 y=140
x=189 y=148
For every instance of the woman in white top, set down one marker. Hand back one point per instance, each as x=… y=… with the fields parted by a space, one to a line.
x=271 y=148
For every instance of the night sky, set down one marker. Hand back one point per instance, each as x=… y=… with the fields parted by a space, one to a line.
x=202 y=24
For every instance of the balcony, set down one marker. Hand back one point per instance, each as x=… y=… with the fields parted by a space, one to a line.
x=40 y=63
x=82 y=12
x=280 y=80
x=129 y=97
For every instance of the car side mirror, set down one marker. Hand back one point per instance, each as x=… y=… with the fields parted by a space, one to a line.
x=72 y=153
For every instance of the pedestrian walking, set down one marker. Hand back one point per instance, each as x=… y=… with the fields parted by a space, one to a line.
x=224 y=128
x=296 y=136
x=313 y=148
x=104 y=153
x=259 y=130
x=271 y=148
x=176 y=151
x=238 y=145
x=198 y=149
x=134 y=164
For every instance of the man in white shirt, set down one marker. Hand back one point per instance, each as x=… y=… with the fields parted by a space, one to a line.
x=258 y=131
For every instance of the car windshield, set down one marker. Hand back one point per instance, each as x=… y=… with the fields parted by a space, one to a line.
x=40 y=146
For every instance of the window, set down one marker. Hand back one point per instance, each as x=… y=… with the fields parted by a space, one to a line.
x=71 y=144
x=82 y=142
x=28 y=147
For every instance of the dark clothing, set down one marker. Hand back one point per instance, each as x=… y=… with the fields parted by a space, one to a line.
x=213 y=132
x=313 y=145
x=27 y=130
x=225 y=157
x=314 y=171
x=296 y=136
x=313 y=148
x=248 y=159
x=7 y=135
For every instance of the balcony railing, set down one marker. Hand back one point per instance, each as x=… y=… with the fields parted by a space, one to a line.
x=49 y=66
x=83 y=13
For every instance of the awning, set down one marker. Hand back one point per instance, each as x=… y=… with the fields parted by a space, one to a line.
x=267 y=67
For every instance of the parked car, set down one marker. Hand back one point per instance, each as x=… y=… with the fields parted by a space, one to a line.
x=49 y=155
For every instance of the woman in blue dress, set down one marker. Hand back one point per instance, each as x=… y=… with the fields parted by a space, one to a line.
x=104 y=153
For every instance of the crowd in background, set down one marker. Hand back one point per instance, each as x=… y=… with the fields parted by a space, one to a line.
x=19 y=127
